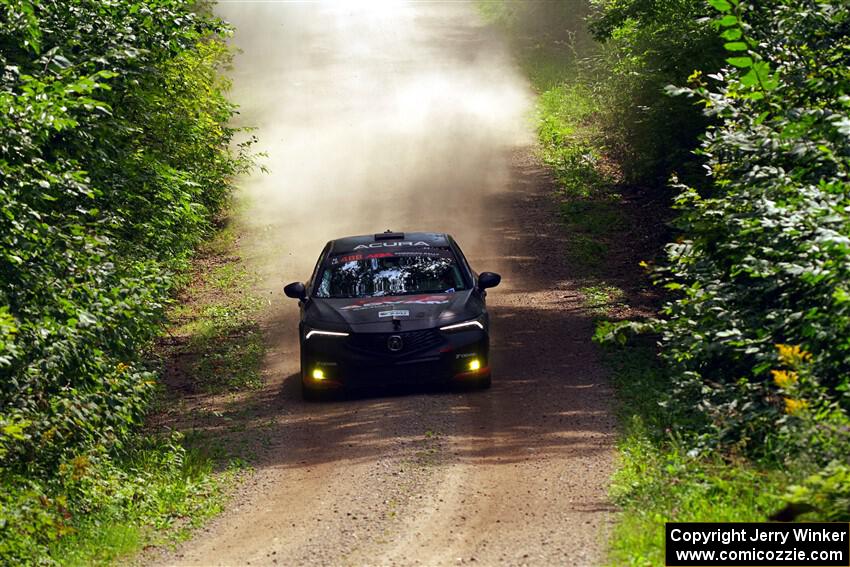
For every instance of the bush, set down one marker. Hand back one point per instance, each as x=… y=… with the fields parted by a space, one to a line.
x=114 y=159
x=764 y=255
x=649 y=45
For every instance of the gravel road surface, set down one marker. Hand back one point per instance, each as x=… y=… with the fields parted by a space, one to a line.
x=409 y=116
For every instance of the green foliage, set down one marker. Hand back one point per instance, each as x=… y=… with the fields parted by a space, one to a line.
x=649 y=45
x=827 y=492
x=761 y=260
x=755 y=334
x=614 y=86
x=764 y=256
x=102 y=505
x=660 y=479
x=114 y=159
x=113 y=152
x=726 y=424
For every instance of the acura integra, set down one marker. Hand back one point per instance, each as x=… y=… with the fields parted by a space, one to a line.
x=393 y=308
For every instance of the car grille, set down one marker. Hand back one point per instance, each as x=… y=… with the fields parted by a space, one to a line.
x=412 y=342
x=402 y=374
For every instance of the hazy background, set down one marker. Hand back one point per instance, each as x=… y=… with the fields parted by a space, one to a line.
x=374 y=115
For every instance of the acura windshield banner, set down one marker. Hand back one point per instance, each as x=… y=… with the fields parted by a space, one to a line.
x=691 y=544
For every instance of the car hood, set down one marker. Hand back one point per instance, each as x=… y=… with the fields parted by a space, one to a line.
x=376 y=314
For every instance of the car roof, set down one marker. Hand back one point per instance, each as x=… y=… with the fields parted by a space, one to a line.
x=389 y=239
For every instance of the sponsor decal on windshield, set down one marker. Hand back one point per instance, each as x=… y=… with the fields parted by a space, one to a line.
x=373 y=303
x=394 y=313
x=432 y=253
x=391 y=244
x=347 y=258
x=377 y=255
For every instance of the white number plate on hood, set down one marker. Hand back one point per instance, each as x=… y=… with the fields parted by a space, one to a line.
x=394 y=313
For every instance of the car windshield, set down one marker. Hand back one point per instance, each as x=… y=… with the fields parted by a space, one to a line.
x=390 y=273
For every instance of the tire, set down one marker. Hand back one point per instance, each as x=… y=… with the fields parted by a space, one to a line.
x=311 y=394
x=470 y=386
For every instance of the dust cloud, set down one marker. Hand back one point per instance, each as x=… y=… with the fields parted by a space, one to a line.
x=373 y=116
x=408 y=116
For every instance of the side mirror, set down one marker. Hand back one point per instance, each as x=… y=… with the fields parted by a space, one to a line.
x=488 y=279
x=295 y=290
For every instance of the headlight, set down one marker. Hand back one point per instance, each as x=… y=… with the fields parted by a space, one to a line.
x=320 y=333
x=477 y=323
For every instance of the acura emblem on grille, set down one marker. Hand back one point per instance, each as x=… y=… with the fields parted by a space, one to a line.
x=394 y=343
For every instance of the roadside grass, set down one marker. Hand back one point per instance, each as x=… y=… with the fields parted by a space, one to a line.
x=215 y=333
x=658 y=479
x=98 y=544
x=167 y=484
x=601 y=298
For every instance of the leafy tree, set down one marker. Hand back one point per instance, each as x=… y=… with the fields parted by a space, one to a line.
x=649 y=45
x=114 y=159
x=765 y=253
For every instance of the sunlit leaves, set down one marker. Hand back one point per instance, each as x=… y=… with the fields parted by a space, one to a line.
x=768 y=246
x=742 y=62
x=652 y=45
x=113 y=159
x=720 y=5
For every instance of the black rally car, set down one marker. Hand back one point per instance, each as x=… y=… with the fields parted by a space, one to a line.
x=393 y=308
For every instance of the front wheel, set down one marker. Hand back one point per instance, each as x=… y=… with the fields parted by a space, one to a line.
x=309 y=394
x=469 y=385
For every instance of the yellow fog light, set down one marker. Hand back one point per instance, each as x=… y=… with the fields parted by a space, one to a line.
x=318 y=374
x=474 y=364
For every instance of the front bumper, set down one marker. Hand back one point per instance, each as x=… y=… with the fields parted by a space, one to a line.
x=427 y=356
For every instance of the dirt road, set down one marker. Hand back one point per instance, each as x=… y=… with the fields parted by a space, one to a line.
x=410 y=116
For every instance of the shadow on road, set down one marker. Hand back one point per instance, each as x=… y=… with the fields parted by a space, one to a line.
x=549 y=393
x=545 y=400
